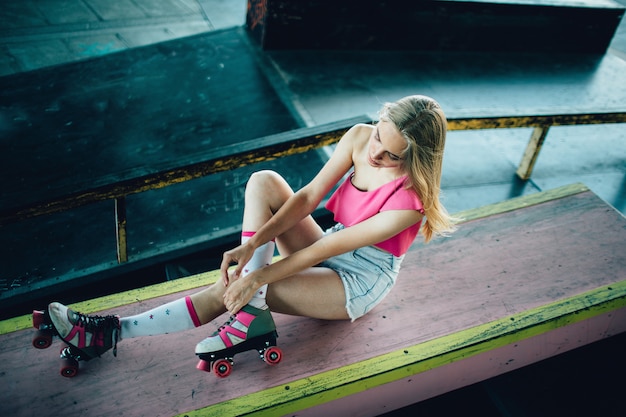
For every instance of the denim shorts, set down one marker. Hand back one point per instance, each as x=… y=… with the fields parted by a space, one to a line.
x=367 y=273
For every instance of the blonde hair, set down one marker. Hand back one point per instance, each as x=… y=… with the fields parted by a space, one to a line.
x=423 y=124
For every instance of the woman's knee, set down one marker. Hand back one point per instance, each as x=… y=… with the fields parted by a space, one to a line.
x=261 y=182
x=264 y=179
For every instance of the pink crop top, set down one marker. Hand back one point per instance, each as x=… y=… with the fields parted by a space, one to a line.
x=351 y=206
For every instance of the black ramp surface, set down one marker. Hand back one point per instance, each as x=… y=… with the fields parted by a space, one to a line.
x=81 y=125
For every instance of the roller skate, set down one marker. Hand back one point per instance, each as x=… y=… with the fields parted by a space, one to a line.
x=86 y=337
x=249 y=329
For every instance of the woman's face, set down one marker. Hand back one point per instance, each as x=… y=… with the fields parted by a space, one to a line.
x=386 y=146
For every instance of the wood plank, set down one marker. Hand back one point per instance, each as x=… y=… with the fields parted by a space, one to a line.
x=526 y=165
x=472 y=365
x=506 y=276
x=521 y=202
x=536 y=120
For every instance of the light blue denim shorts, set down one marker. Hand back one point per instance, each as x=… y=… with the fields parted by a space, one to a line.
x=367 y=273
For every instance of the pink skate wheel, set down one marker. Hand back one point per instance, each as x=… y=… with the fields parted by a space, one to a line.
x=42 y=339
x=69 y=367
x=272 y=355
x=222 y=368
x=204 y=365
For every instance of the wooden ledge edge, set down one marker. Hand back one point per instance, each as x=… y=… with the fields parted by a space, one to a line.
x=108 y=302
x=521 y=202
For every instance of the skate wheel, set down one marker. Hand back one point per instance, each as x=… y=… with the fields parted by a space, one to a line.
x=272 y=355
x=38 y=318
x=69 y=367
x=204 y=365
x=42 y=339
x=222 y=368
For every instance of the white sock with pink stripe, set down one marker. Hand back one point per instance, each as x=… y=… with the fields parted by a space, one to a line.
x=172 y=317
x=262 y=257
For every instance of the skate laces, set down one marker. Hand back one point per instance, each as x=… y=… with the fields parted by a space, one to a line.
x=99 y=325
x=225 y=325
x=92 y=323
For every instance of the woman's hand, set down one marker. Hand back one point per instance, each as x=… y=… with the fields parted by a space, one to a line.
x=239 y=293
x=240 y=256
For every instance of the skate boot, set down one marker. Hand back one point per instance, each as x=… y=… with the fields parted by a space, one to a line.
x=251 y=328
x=89 y=336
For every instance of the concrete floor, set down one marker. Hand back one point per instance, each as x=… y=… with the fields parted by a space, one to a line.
x=479 y=165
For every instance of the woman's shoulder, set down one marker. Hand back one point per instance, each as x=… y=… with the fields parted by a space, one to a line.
x=358 y=134
x=362 y=129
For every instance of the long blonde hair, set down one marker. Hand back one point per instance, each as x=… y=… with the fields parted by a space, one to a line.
x=423 y=124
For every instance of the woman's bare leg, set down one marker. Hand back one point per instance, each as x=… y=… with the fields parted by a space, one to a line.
x=266 y=192
x=315 y=292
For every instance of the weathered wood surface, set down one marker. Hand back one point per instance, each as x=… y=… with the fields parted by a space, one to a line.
x=73 y=128
x=495 y=274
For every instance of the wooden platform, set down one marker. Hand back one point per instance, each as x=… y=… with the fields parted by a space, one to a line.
x=520 y=281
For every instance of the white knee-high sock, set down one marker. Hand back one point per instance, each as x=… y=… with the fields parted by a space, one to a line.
x=172 y=317
x=262 y=257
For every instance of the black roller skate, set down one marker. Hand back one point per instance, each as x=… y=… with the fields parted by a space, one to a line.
x=87 y=337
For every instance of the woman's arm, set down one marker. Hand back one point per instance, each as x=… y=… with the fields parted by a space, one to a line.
x=373 y=230
x=305 y=200
x=301 y=204
x=376 y=229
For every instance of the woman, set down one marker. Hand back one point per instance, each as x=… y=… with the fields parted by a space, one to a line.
x=393 y=181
